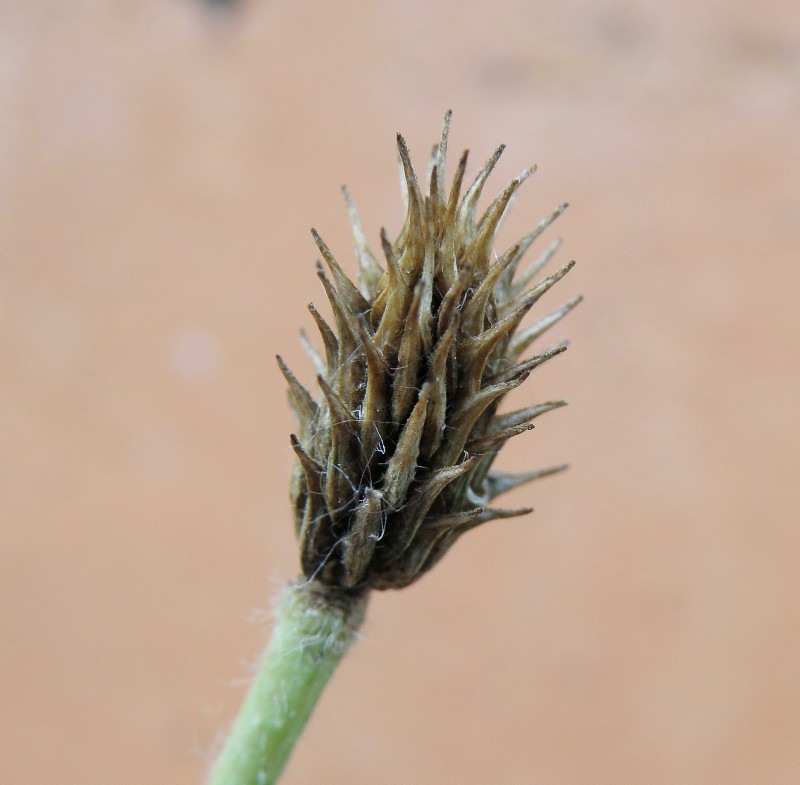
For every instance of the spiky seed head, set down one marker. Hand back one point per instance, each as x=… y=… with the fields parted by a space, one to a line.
x=394 y=454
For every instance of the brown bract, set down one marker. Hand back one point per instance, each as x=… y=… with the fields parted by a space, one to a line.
x=395 y=452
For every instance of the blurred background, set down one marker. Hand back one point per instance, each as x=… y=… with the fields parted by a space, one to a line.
x=161 y=164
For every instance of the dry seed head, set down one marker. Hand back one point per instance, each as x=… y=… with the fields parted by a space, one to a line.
x=395 y=453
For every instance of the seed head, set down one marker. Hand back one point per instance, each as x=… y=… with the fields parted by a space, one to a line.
x=394 y=455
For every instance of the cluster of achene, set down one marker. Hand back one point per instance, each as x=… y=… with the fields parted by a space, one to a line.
x=395 y=454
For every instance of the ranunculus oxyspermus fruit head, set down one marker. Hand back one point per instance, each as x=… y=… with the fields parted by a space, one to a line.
x=395 y=453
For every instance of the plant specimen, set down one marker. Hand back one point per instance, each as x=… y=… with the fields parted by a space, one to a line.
x=395 y=452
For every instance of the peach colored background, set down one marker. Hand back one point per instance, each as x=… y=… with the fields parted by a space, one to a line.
x=161 y=164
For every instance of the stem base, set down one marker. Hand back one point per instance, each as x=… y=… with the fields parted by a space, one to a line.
x=315 y=627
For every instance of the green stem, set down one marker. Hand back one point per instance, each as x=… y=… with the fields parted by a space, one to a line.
x=314 y=629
